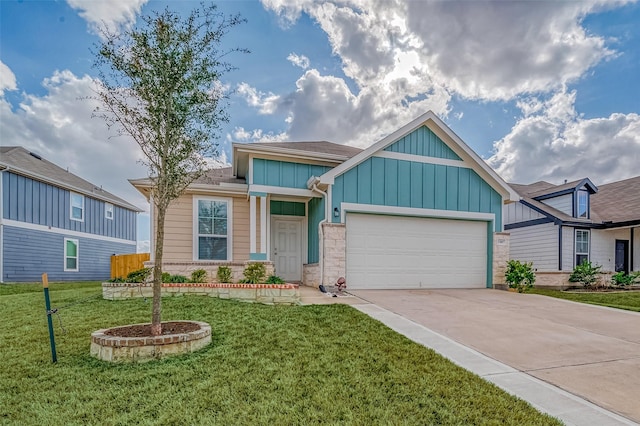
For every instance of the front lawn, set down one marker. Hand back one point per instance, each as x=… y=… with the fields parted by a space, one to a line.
x=629 y=300
x=266 y=365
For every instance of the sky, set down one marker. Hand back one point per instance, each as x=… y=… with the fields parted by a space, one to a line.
x=541 y=90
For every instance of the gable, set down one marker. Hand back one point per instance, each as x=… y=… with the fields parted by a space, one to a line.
x=423 y=142
x=284 y=173
x=416 y=139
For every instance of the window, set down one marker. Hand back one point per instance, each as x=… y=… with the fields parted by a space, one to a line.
x=70 y=255
x=583 y=204
x=582 y=246
x=108 y=211
x=77 y=207
x=212 y=223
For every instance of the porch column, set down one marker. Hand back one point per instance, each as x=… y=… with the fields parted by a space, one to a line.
x=254 y=254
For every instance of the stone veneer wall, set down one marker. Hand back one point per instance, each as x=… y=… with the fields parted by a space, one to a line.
x=335 y=252
x=311 y=274
x=186 y=268
x=501 y=249
x=271 y=294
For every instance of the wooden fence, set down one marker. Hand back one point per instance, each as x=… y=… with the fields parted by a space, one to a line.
x=122 y=264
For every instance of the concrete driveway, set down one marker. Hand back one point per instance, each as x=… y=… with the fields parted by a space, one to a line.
x=589 y=351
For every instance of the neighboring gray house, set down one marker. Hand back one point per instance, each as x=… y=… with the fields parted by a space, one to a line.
x=558 y=226
x=56 y=222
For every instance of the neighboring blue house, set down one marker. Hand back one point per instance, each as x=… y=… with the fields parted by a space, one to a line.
x=56 y=222
x=418 y=209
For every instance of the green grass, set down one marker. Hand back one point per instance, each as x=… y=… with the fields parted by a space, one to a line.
x=266 y=365
x=628 y=300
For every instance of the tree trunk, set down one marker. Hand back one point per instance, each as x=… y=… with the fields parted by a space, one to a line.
x=156 y=310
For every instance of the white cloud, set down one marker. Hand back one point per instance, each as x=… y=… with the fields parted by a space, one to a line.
x=112 y=13
x=408 y=57
x=239 y=134
x=7 y=78
x=298 y=60
x=552 y=142
x=59 y=127
x=267 y=103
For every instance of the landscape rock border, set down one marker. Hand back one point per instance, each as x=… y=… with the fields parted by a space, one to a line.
x=140 y=349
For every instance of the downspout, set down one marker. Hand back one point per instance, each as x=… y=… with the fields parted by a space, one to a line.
x=315 y=188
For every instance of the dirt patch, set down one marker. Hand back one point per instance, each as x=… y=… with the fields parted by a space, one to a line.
x=144 y=330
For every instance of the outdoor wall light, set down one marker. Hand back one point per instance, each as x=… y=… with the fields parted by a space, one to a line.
x=336 y=212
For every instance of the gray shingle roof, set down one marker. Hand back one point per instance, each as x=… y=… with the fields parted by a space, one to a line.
x=322 y=147
x=615 y=202
x=23 y=162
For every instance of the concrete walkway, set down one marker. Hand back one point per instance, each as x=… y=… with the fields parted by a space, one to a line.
x=546 y=351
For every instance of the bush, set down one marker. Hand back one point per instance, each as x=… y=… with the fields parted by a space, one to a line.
x=520 y=275
x=199 y=276
x=224 y=274
x=274 y=279
x=139 y=276
x=166 y=277
x=622 y=279
x=585 y=274
x=116 y=280
x=254 y=273
x=177 y=279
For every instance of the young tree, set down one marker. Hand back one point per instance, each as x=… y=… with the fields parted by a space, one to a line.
x=159 y=83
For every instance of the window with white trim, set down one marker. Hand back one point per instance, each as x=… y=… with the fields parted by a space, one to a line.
x=583 y=204
x=71 y=253
x=108 y=211
x=77 y=207
x=582 y=246
x=212 y=229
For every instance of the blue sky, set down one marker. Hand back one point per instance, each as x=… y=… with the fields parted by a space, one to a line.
x=542 y=90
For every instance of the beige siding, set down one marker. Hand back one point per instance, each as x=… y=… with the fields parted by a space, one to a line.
x=603 y=246
x=518 y=212
x=564 y=203
x=636 y=249
x=568 y=248
x=537 y=244
x=178 y=245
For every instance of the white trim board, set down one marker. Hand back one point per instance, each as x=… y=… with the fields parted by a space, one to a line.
x=283 y=190
x=421 y=159
x=415 y=212
x=44 y=228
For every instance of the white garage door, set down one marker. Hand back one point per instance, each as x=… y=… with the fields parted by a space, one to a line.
x=386 y=252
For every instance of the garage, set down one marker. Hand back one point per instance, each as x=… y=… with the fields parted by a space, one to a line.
x=399 y=252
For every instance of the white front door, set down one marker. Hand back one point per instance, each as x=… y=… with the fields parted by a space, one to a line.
x=287 y=248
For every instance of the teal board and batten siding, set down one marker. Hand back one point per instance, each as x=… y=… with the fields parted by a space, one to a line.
x=287 y=208
x=423 y=142
x=284 y=173
x=399 y=183
x=316 y=214
x=31 y=201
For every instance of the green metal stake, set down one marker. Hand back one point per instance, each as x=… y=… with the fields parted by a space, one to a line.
x=47 y=303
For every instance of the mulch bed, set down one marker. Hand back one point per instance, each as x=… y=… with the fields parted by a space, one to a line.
x=144 y=330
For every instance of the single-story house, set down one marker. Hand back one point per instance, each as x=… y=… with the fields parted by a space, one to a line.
x=56 y=222
x=558 y=226
x=417 y=209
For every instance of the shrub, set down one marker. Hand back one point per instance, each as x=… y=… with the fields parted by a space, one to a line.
x=274 y=279
x=199 y=276
x=224 y=274
x=139 y=276
x=585 y=274
x=254 y=273
x=520 y=275
x=166 y=277
x=622 y=279
x=177 y=279
x=116 y=280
